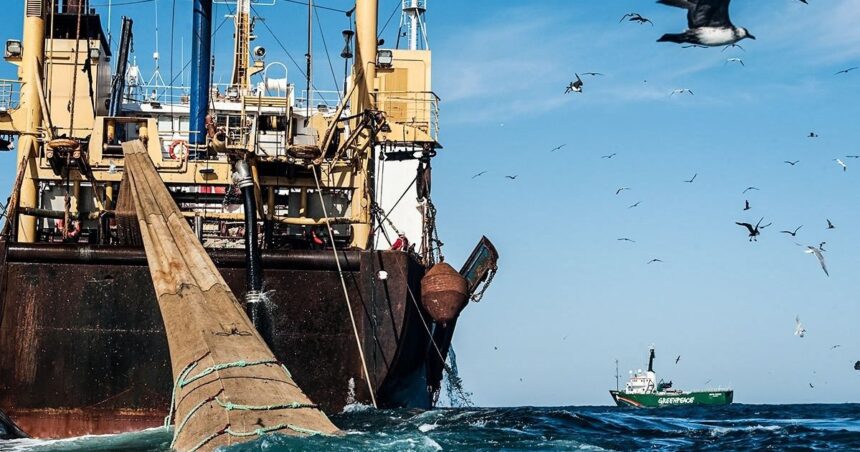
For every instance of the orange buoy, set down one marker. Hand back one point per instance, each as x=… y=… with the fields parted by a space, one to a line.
x=444 y=293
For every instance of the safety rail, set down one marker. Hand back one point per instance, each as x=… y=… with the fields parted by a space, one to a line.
x=416 y=108
x=325 y=98
x=10 y=94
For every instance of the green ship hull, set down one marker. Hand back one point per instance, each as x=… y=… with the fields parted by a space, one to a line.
x=664 y=399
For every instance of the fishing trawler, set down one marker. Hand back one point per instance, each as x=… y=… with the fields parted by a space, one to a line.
x=644 y=391
x=315 y=207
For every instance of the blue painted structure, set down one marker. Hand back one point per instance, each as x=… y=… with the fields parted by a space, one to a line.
x=201 y=55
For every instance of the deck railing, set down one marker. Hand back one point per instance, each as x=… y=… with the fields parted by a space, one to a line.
x=10 y=94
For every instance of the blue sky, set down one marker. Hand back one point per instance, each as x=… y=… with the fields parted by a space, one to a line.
x=570 y=298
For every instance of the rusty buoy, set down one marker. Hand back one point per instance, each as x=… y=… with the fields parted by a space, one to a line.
x=444 y=293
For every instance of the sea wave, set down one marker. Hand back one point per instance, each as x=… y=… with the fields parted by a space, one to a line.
x=734 y=427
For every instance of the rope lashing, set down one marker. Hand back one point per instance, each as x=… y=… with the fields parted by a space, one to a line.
x=209 y=370
x=230 y=406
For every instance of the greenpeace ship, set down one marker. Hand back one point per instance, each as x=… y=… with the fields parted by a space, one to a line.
x=316 y=208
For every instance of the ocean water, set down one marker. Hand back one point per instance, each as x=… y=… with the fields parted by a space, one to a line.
x=735 y=427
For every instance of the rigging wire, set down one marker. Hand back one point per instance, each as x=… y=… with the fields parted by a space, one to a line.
x=289 y=55
x=396 y=8
x=345 y=291
x=327 y=55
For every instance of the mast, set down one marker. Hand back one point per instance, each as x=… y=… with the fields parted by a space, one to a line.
x=241 y=46
x=413 y=20
x=32 y=59
x=310 y=64
x=617 y=385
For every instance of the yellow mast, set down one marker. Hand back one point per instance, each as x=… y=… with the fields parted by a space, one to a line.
x=240 y=47
x=31 y=63
x=364 y=78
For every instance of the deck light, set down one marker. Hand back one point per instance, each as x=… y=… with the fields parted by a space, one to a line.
x=14 y=48
x=385 y=58
x=95 y=53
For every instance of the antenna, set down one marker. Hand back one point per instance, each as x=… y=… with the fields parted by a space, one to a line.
x=617 y=385
x=413 y=25
x=156 y=80
x=310 y=56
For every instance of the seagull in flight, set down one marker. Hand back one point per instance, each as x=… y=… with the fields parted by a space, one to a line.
x=636 y=204
x=514 y=177
x=792 y=163
x=625 y=239
x=735 y=60
x=593 y=74
x=617 y=192
x=842 y=164
x=653 y=261
x=574 y=86
x=747 y=205
x=799 y=330
x=830 y=224
x=835 y=346
x=636 y=17
x=696 y=46
x=852 y=156
x=479 y=174
x=811 y=386
x=692 y=179
x=557 y=148
x=845 y=71
x=677 y=359
x=748 y=189
x=681 y=91
x=792 y=233
x=708 y=24
x=817 y=253
x=857 y=365
x=821 y=247
x=609 y=156
x=754 y=231
x=812 y=135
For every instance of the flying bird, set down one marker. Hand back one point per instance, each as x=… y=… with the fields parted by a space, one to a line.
x=479 y=174
x=677 y=359
x=514 y=177
x=754 y=231
x=654 y=260
x=842 y=164
x=792 y=233
x=821 y=246
x=557 y=148
x=857 y=365
x=852 y=156
x=803 y=1
x=609 y=156
x=681 y=91
x=792 y=163
x=747 y=205
x=830 y=224
x=708 y=24
x=845 y=71
x=799 y=330
x=593 y=73
x=734 y=60
x=574 y=86
x=817 y=253
x=636 y=204
x=625 y=239
x=621 y=190
x=835 y=346
x=810 y=385
x=692 y=179
x=636 y=17
x=812 y=135
x=733 y=45
x=748 y=189
x=694 y=46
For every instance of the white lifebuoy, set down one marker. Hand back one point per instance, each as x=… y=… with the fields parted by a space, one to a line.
x=183 y=149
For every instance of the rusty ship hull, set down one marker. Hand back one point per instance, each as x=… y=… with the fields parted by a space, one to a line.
x=84 y=348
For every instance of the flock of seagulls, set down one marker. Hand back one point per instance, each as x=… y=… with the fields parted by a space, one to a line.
x=709 y=25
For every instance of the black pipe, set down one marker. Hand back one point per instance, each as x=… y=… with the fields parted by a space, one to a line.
x=49 y=253
x=118 y=85
x=255 y=301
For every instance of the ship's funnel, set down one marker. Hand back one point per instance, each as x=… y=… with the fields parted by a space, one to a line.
x=201 y=55
x=73 y=6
